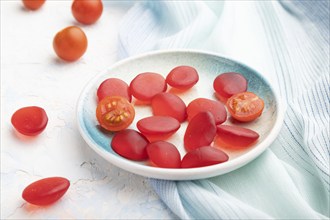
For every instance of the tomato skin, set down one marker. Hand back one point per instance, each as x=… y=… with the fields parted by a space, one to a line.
x=130 y=144
x=200 y=131
x=33 y=4
x=30 y=120
x=234 y=137
x=203 y=156
x=182 y=77
x=202 y=104
x=228 y=84
x=114 y=87
x=46 y=191
x=164 y=154
x=115 y=113
x=70 y=43
x=146 y=85
x=245 y=106
x=168 y=104
x=87 y=11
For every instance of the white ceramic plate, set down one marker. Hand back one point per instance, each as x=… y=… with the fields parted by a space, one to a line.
x=208 y=66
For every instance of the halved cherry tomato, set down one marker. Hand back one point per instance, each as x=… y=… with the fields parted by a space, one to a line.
x=46 y=191
x=228 y=84
x=146 y=85
x=31 y=120
x=245 y=106
x=130 y=144
x=70 y=43
x=234 y=137
x=200 y=131
x=113 y=87
x=115 y=113
x=164 y=154
x=87 y=11
x=168 y=104
x=182 y=77
x=202 y=104
x=158 y=127
x=33 y=4
x=203 y=156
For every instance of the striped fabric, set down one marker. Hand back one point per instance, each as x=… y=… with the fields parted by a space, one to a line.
x=288 y=41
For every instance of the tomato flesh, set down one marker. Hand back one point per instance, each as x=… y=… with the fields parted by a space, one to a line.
x=168 y=104
x=130 y=144
x=164 y=154
x=202 y=104
x=245 y=106
x=30 y=120
x=203 y=156
x=70 y=43
x=46 y=191
x=115 y=113
x=146 y=85
x=113 y=87
x=228 y=84
x=182 y=77
x=87 y=11
x=234 y=137
x=33 y=4
x=200 y=131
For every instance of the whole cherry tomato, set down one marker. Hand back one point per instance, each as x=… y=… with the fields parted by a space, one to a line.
x=164 y=154
x=70 y=43
x=115 y=113
x=31 y=120
x=113 y=87
x=33 y=4
x=87 y=11
x=46 y=191
x=182 y=77
x=245 y=106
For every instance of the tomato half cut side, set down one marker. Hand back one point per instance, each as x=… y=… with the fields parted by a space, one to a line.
x=182 y=77
x=130 y=144
x=115 y=113
x=46 y=191
x=146 y=85
x=228 y=84
x=114 y=87
x=164 y=154
x=245 y=106
x=203 y=156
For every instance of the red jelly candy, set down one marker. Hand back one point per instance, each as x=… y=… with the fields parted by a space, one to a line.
x=114 y=87
x=201 y=131
x=130 y=144
x=182 y=77
x=202 y=104
x=168 y=104
x=203 y=156
x=164 y=154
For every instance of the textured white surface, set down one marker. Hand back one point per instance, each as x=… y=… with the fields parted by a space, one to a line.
x=32 y=75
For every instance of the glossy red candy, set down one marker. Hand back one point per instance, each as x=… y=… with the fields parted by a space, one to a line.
x=228 y=84
x=182 y=77
x=164 y=154
x=202 y=104
x=168 y=104
x=235 y=137
x=31 y=120
x=130 y=144
x=46 y=191
x=114 y=87
x=200 y=131
x=146 y=85
x=203 y=156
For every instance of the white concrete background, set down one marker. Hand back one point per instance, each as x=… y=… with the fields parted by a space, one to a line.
x=31 y=74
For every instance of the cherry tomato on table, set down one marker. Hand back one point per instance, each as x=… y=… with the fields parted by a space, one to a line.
x=164 y=154
x=31 y=120
x=87 y=11
x=245 y=106
x=46 y=191
x=113 y=87
x=70 y=43
x=33 y=4
x=182 y=77
x=115 y=113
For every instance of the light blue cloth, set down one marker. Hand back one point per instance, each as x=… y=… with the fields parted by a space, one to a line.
x=288 y=42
